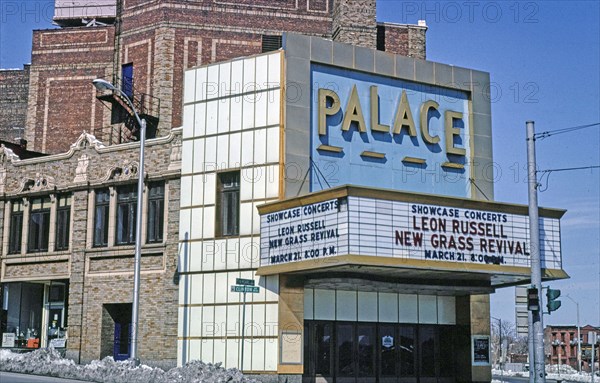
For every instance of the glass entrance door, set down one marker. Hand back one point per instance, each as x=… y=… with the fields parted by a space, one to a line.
x=357 y=352
x=320 y=335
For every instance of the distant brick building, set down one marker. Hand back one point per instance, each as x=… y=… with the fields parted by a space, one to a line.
x=145 y=46
x=561 y=343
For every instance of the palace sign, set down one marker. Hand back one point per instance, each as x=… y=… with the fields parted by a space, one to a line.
x=390 y=133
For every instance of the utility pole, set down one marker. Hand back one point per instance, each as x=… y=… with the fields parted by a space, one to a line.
x=534 y=249
x=578 y=335
x=530 y=347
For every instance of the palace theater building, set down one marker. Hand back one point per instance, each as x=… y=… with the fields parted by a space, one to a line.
x=355 y=187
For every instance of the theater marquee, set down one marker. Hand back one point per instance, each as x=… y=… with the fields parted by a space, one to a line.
x=452 y=233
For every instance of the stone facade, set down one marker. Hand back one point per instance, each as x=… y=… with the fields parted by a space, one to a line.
x=162 y=39
x=100 y=277
x=14 y=87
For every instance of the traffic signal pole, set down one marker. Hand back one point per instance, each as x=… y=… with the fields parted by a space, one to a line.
x=536 y=265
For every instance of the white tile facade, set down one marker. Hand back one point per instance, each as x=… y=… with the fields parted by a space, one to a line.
x=232 y=116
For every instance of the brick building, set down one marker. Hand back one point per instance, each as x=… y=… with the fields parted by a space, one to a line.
x=14 y=90
x=561 y=342
x=67 y=249
x=145 y=46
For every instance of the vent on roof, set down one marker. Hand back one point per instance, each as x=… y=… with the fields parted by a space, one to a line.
x=270 y=43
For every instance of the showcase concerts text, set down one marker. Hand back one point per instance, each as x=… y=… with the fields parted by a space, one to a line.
x=459 y=235
x=314 y=232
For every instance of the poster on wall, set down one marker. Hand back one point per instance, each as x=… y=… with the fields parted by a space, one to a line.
x=481 y=350
x=8 y=339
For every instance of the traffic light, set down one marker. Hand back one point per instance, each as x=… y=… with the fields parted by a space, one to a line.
x=533 y=299
x=552 y=304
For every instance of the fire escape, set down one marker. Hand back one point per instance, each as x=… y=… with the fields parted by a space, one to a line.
x=125 y=125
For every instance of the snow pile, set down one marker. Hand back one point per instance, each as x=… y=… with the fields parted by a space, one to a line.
x=49 y=362
x=562 y=369
x=567 y=374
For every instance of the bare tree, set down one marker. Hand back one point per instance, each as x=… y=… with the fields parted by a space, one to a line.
x=503 y=338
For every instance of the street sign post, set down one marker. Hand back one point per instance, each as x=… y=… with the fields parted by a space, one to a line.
x=244 y=282
x=244 y=286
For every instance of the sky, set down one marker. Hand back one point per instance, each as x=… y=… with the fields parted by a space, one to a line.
x=544 y=62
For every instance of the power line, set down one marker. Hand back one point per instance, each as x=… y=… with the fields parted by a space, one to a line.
x=551 y=133
x=547 y=173
x=568 y=169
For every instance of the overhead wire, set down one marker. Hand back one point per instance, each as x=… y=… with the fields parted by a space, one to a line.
x=547 y=173
x=551 y=133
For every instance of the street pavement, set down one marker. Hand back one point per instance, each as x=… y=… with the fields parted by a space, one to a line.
x=9 y=377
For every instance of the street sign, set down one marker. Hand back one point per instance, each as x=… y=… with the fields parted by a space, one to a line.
x=244 y=282
x=245 y=289
x=244 y=286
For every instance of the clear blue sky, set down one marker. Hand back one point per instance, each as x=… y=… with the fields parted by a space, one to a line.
x=544 y=61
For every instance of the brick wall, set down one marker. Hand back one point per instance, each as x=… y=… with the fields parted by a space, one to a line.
x=406 y=40
x=14 y=89
x=354 y=22
x=62 y=101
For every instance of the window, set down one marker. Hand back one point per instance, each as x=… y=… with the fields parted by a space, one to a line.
x=127 y=79
x=156 y=209
x=101 y=218
x=126 y=211
x=228 y=204
x=39 y=224
x=16 y=228
x=63 y=222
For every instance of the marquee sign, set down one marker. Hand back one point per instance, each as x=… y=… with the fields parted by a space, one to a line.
x=383 y=228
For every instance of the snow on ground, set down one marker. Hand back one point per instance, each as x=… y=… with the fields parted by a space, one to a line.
x=566 y=374
x=49 y=362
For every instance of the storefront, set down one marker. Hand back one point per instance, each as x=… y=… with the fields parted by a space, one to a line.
x=34 y=314
x=355 y=188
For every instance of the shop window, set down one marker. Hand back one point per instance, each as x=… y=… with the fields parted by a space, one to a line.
x=102 y=200
x=16 y=228
x=156 y=212
x=63 y=222
x=39 y=224
x=126 y=214
x=228 y=204
x=24 y=307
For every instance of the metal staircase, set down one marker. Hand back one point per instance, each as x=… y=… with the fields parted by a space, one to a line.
x=147 y=107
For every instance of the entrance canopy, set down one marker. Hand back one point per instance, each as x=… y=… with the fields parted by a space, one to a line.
x=416 y=238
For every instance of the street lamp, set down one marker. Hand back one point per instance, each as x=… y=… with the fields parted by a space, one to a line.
x=103 y=85
x=578 y=335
